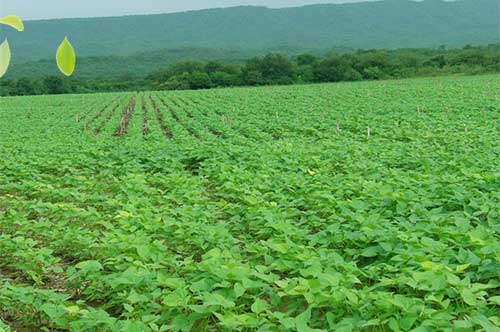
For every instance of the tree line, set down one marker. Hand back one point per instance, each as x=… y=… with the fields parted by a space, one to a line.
x=278 y=69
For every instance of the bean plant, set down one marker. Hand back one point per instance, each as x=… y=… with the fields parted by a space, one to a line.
x=253 y=209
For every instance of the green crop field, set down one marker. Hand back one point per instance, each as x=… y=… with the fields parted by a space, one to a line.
x=370 y=206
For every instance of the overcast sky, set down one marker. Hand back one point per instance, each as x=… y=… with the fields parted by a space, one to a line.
x=39 y=9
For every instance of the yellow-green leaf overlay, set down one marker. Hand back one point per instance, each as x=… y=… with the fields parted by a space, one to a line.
x=13 y=21
x=4 y=57
x=66 y=58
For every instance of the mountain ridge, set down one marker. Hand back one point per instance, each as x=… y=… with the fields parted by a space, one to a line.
x=375 y=24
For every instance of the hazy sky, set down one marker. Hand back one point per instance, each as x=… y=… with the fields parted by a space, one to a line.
x=37 y=9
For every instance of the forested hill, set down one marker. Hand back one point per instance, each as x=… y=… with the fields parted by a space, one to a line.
x=382 y=24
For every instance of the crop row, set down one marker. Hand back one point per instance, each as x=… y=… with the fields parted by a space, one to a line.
x=267 y=209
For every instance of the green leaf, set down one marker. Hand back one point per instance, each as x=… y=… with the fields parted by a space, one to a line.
x=259 y=306
x=178 y=298
x=370 y=252
x=66 y=57
x=394 y=325
x=239 y=290
x=218 y=300
x=302 y=321
x=53 y=311
x=128 y=307
x=180 y=323
x=469 y=297
x=4 y=327
x=13 y=21
x=57 y=269
x=4 y=57
x=486 y=324
x=89 y=266
x=134 y=297
x=235 y=322
x=407 y=322
x=494 y=300
x=172 y=283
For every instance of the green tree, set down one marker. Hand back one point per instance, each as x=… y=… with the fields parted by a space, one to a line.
x=199 y=80
x=335 y=69
x=54 y=85
x=306 y=59
x=271 y=69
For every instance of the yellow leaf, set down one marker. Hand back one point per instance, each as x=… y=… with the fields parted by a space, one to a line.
x=66 y=57
x=461 y=268
x=13 y=21
x=4 y=57
x=428 y=265
x=311 y=173
x=281 y=283
x=72 y=309
x=123 y=214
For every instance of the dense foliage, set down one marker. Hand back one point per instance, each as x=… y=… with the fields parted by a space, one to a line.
x=380 y=24
x=367 y=206
x=117 y=74
x=137 y=65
